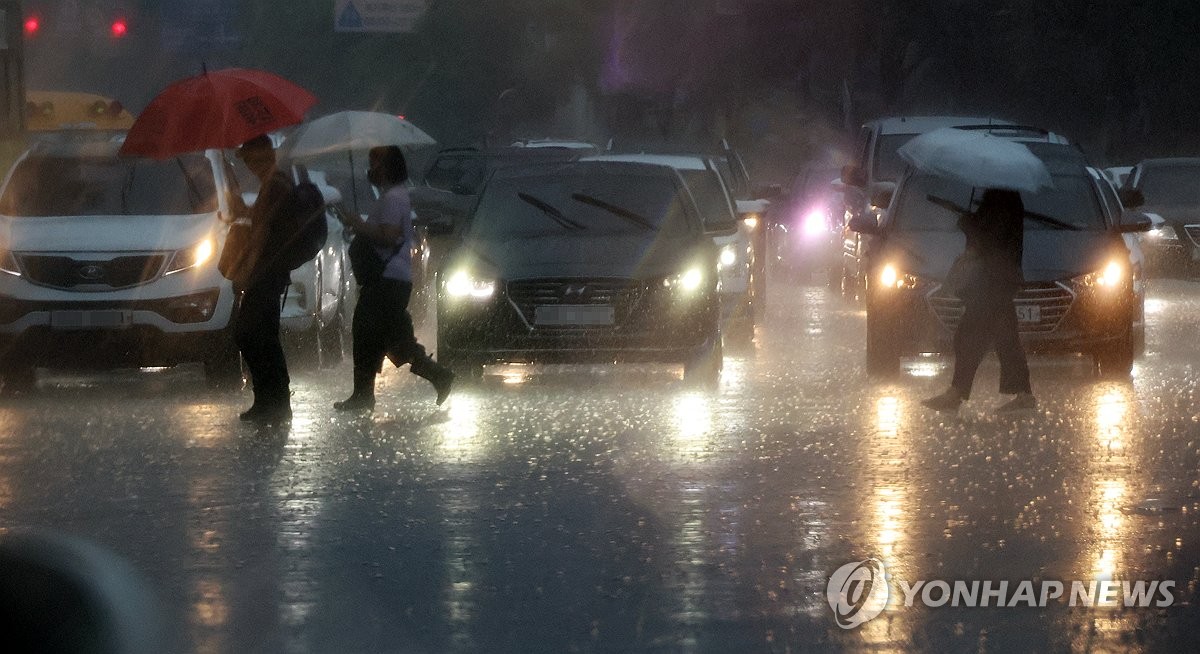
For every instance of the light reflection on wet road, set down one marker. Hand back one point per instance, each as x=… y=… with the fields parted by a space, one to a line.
x=570 y=509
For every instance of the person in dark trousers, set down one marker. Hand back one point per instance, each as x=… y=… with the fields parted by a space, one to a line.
x=261 y=283
x=382 y=325
x=995 y=244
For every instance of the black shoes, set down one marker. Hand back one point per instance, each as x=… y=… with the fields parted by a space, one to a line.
x=356 y=403
x=948 y=401
x=443 y=383
x=264 y=413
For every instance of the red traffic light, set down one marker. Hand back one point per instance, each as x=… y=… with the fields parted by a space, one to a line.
x=32 y=25
x=119 y=28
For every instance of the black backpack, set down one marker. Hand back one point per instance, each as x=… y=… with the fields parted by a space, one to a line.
x=308 y=230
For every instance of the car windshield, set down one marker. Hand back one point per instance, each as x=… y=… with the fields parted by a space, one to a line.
x=1072 y=201
x=109 y=186
x=578 y=202
x=888 y=164
x=1177 y=185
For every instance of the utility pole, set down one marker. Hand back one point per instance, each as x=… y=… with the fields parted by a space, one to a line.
x=12 y=70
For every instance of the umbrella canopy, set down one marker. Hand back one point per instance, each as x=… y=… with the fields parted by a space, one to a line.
x=977 y=159
x=354 y=130
x=218 y=109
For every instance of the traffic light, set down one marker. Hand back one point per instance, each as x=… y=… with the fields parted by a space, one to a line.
x=32 y=25
x=119 y=28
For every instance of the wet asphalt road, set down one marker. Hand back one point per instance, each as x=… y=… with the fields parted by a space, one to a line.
x=568 y=509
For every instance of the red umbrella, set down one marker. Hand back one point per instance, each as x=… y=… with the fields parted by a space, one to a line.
x=218 y=109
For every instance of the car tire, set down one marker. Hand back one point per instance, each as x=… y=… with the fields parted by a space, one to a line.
x=883 y=349
x=704 y=366
x=331 y=342
x=223 y=370
x=17 y=379
x=1116 y=361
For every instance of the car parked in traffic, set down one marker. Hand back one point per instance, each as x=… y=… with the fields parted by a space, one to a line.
x=806 y=226
x=110 y=261
x=873 y=174
x=1169 y=191
x=735 y=255
x=1080 y=293
x=583 y=262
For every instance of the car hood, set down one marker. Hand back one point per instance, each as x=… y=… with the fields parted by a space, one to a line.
x=1049 y=255
x=580 y=256
x=105 y=233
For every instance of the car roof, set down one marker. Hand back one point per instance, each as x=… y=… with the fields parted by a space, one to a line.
x=921 y=124
x=676 y=161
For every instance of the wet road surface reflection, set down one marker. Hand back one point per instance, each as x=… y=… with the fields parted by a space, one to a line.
x=564 y=508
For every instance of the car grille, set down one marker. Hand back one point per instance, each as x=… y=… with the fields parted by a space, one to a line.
x=623 y=295
x=1193 y=232
x=1053 y=300
x=67 y=273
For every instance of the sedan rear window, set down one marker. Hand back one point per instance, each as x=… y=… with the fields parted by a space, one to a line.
x=106 y=186
x=1171 y=185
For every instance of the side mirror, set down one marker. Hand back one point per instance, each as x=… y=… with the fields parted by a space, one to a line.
x=1131 y=198
x=863 y=225
x=1132 y=222
x=723 y=227
x=854 y=176
x=881 y=194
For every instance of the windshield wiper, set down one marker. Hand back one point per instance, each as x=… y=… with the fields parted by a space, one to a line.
x=620 y=212
x=193 y=193
x=551 y=212
x=1053 y=222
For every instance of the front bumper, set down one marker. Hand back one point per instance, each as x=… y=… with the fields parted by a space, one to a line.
x=648 y=326
x=1069 y=319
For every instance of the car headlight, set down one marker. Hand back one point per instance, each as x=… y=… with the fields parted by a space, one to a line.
x=751 y=221
x=686 y=282
x=464 y=284
x=191 y=257
x=728 y=257
x=891 y=277
x=1163 y=233
x=1115 y=274
x=814 y=223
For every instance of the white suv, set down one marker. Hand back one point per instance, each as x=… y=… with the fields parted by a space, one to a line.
x=109 y=261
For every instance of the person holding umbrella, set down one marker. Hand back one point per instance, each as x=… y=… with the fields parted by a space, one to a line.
x=261 y=283
x=382 y=325
x=989 y=278
x=988 y=275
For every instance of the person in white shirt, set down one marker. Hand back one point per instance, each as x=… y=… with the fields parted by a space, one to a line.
x=382 y=324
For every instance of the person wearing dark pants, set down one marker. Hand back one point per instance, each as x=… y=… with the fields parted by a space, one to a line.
x=261 y=281
x=382 y=325
x=995 y=245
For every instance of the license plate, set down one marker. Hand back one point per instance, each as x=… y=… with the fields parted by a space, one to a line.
x=573 y=315
x=102 y=319
x=1029 y=313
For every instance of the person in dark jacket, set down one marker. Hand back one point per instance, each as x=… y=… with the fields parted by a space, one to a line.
x=382 y=325
x=995 y=236
x=260 y=282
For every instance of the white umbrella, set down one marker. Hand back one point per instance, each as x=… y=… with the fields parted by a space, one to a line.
x=977 y=159
x=347 y=131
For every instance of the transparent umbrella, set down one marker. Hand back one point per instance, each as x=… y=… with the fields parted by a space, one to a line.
x=977 y=159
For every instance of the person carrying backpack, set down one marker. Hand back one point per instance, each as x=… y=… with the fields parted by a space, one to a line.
x=382 y=260
x=260 y=277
